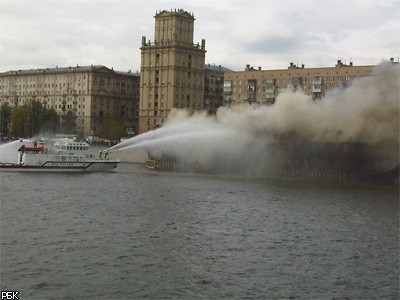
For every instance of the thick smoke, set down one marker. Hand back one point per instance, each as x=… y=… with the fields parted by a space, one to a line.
x=367 y=111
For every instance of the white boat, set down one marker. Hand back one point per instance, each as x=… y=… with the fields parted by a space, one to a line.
x=63 y=156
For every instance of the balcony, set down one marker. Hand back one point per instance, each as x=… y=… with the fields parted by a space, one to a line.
x=250 y=98
x=317 y=80
x=269 y=95
x=227 y=86
x=227 y=90
x=316 y=88
x=296 y=80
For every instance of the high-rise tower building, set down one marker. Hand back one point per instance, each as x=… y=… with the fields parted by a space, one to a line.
x=172 y=69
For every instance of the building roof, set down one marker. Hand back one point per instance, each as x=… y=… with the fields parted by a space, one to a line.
x=178 y=12
x=57 y=69
x=216 y=68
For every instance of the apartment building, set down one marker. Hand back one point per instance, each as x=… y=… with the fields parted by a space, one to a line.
x=172 y=69
x=254 y=85
x=213 y=87
x=95 y=94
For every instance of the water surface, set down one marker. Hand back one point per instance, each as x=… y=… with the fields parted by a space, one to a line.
x=136 y=234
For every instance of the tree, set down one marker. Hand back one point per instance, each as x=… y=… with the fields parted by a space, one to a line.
x=68 y=122
x=51 y=121
x=35 y=113
x=32 y=119
x=5 y=118
x=18 y=121
x=112 y=128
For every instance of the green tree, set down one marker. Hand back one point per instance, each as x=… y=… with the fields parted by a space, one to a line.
x=35 y=113
x=18 y=121
x=112 y=128
x=32 y=119
x=5 y=118
x=68 y=123
x=50 y=121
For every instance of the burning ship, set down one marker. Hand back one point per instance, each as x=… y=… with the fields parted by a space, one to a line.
x=336 y=162
x=327 y=161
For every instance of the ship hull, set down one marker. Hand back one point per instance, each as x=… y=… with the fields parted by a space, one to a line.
x=102 y=166
x=338 y=162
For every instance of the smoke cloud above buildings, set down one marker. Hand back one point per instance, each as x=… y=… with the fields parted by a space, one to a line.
x=367 y=112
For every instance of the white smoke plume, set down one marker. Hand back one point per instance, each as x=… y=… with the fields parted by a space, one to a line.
x=367 y=111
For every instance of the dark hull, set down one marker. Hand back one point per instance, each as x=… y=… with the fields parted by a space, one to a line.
x=339 y=162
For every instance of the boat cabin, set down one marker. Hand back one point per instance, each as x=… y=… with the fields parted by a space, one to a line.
x=73 y=147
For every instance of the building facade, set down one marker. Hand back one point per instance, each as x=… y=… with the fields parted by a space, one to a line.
x=95 y=94
x=213 y=88
x=263 y=86
x=172 y=69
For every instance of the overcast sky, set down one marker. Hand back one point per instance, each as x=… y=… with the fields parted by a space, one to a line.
x=267 y=33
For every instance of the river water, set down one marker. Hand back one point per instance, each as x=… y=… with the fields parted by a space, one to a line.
x=136 y=234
